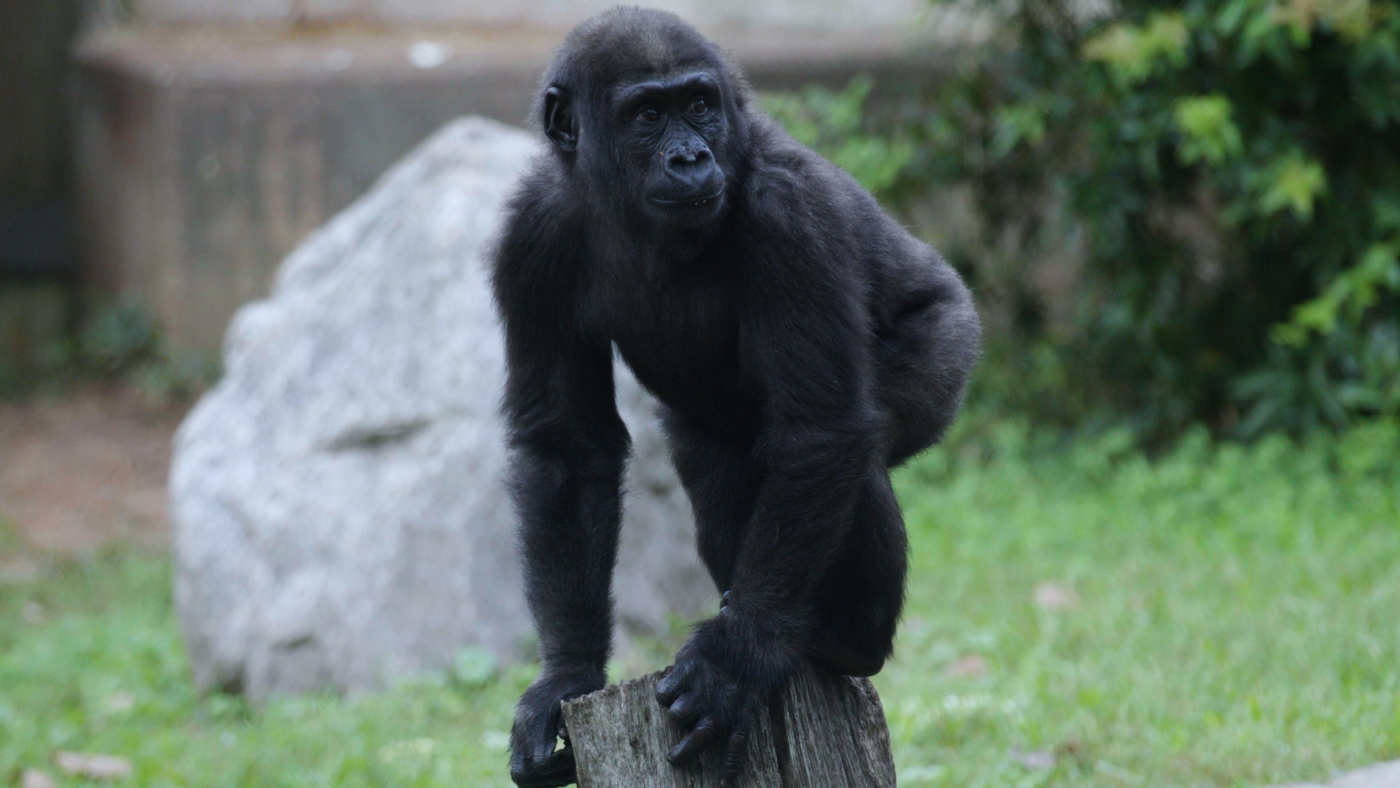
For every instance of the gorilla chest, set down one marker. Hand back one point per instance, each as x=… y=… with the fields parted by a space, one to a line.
x=682 y=341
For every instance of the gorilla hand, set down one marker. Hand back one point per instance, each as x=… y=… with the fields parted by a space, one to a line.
x=721 y=680
x=534 y=763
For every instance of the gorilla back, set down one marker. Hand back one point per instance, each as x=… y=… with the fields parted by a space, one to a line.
x=802 y=342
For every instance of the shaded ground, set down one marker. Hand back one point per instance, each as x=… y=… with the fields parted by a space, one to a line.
x=86 y=469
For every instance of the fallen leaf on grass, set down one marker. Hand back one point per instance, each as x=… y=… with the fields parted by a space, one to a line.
x=922 y=774
x=1074 y=750
x=92 y=767
x=33 y=614
x=1053 y=596
x=1116 y=772
x=412 y=748
x=121 y=702
x=969 y=667
x=19 y=571
x=33 y=778
x=1033 y=760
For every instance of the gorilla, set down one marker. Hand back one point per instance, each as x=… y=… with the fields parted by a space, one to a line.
x=801 y=343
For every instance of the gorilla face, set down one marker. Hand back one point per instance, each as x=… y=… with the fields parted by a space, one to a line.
x=666 y=128
x=659 y=142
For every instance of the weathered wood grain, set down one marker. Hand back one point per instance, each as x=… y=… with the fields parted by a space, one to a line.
x=822 y=731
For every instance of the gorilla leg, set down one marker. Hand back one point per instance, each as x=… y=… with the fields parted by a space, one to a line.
x=859 y=600
x=721 y=479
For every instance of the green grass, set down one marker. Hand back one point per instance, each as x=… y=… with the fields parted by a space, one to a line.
x=1237 y=623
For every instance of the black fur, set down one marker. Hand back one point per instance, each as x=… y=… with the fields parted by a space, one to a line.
x=801 y=341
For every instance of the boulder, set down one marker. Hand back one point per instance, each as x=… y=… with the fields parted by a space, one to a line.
x=337 y=500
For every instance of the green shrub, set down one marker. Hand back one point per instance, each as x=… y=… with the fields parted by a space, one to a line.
x=1231 y=171
x=118 y=337
x=117 y=341
x=833 y=123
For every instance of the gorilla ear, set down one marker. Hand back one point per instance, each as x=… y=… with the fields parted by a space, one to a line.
x=560 y=123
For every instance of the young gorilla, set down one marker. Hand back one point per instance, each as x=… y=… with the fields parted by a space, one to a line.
x=801 y=341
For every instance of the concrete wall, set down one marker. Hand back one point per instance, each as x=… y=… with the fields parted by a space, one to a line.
x=194 y=186
x=36 y=256
x=206 y=155
x=821 y=14
x=34 y=70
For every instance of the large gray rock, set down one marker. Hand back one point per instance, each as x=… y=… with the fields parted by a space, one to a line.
x=336 y=500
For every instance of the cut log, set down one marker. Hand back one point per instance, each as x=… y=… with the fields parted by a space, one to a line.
x=821 y=731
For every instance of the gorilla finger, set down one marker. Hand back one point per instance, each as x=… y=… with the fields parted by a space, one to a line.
x=685 y=710
x=560 y=762
x=671 y=685
x=531 y=747
x=733 y=761
x=555 y=771
x=694 y=743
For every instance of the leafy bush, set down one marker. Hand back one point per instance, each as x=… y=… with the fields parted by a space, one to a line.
x=122 y=340
x=117 y=338
x=832 y=123
x=117 y=342
x=1228 y=171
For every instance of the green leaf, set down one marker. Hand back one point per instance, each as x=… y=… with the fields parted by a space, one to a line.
x=1132 y=51
x=830 y=122
x=1295 y=183
x=1207 y=130
x=1353 y=292
x=1016 y=122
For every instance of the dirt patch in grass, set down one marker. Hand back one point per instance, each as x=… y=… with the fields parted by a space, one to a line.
x=86 y=469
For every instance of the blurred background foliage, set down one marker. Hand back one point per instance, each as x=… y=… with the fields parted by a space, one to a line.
x=116 y=342
x=835 y=124
x=1173 y=213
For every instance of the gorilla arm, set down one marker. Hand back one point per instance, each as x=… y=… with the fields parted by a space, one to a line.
x=569 y=447
x=807 y=339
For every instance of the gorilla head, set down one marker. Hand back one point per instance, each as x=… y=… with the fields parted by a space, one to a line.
x=648 y=112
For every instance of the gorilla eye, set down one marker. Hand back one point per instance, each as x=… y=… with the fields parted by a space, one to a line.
x=649 y=114
x=699 y=106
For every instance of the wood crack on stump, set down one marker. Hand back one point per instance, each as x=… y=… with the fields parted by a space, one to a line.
x=824 y=731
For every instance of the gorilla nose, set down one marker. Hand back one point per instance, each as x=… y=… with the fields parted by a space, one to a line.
x=691 y=167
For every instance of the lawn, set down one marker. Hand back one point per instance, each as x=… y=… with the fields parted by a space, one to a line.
x=1078 y=615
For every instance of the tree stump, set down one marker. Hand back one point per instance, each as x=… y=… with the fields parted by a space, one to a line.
x=821 y=731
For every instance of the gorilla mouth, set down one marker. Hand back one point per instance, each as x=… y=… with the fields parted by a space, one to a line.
x=689 y=202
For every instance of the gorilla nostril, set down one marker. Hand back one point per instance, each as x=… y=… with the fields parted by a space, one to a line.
x=681 y=161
